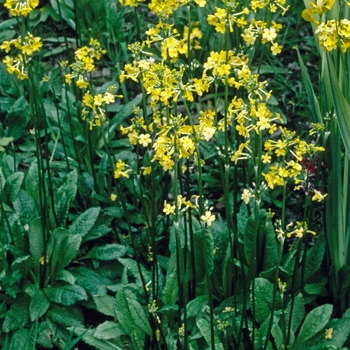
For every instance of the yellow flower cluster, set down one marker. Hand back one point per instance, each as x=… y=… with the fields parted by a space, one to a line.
x=299 y=229
x=181 y=203
x=164 y=8
x=133 y=3
x=171 y=46
x=268 y=35
x=85 y=58
x=331 y=33
x=94 y=106
x=27 y=46
x=286 y=168
x=121 y=170
x=334 y=33
x=223 y=18
x=21 y=7
x=273 y=5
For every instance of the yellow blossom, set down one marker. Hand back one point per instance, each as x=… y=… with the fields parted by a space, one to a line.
x=208 y=218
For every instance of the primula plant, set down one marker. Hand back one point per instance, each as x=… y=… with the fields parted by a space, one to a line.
x=154 y=193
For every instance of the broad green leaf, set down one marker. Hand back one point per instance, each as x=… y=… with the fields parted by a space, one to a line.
x=204 y=327
x=194 y=306
x=19 y=239
x=65 y=247
x=12 y=186
x=263 y=299
x=123 y=312
x=31 y=182
x=278 y=336
x=340 y=331
x=99 y=344
x=39 y=304
x=90 y=280
x=66 y=316
x=65 y=196
x=313 y=323
x=104 y=304
x=66 y=276
x=139 y=316
x=22 y=339
x=107 y=252
x=131 y=266
x=66 y=295
x=315 y=257
x=298 y=312
x=108 y=330
x=170 y=289
x=270 y=247
x=36 y=241
x=85 y=221
x=18 y=315
x=24 y=205
x=315 y=289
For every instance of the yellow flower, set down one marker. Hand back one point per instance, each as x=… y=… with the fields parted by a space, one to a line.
x=145 y=140
x=318 y=196
x=168 y=208
x=147 y=170
x=113 y=197
x=329 y=333
x=246 y=195
x=81 y=83
x=208 y=218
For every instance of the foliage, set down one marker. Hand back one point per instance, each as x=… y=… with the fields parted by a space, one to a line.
x=154 y=193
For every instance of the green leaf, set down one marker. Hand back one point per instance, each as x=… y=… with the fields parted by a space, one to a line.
x=139 y=316
x=170 y=289
x=131 y=266
x=313 y=102
x=298 y=312
x=123 y=311
x=65 y=247
x=36 y=243
x=12 y=186
x=204 y=327
x=85 y=221
x=270 y=247
x=39 y=304
x=313 y=323
x=22 y=339
x=108 y=330
x=66 y=295
x=99 y=344
x=66 y=276
x=342 y=108
x=65 y=196
x=107 y=252
x=104 y=304
x=263 y=299
x=31 y=182
x=24 y=205
x=344 y=280
x=340 y=333
x=315 y=257
x=315 y=289
x=66 y=316
x=194 y=306
x=90 y=280
x=18 y=315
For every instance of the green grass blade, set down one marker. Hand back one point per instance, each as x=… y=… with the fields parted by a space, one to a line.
x=314 y=105
x=341 y=106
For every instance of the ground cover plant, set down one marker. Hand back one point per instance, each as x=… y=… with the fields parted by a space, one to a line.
x=174 y=174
